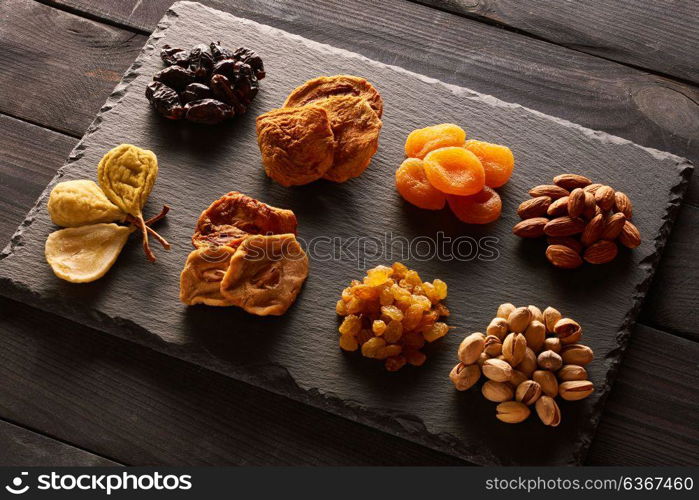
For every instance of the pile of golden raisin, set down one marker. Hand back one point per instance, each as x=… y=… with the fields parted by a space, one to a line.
x=391 y=314
x=443 y=167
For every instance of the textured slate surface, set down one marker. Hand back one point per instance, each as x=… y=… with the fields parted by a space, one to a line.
x=297 y=355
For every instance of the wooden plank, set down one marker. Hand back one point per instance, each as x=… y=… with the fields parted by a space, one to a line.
x=22 y=447
x=60 y=67
x=141 y=408
x=31 y=156
x=599 y=94
x=660 y=36
x=652 y=415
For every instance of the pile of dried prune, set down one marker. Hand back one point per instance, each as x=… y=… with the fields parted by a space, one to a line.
x=206 y=84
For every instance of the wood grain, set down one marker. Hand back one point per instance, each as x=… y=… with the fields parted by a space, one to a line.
x=660 y=35
x=142 y=408
x=22 y=447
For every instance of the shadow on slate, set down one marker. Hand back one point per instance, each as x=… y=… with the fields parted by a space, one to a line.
x=297 y=355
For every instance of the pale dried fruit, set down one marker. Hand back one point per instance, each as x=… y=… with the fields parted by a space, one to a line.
x=84 y=254
x=630 y=237
x=613 y=224
x=548 y=411
x=81 y=202
x=563 y=257
x=575 y=390
x=534 y=207
x=622 y=203
x=571 y=181
x=327 y=86
x=265 y=274
x=551 y=190
x=297 y=144
x=601 y=252
x=512 y=412
x=200 y=280
x=465 y=376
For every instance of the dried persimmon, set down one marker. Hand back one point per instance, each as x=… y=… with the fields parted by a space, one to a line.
x=327 y=86
x=423 y=140
x=413 y=186
x=235 y=216
x=454 y=170
x=480 y=208
x=498 y=161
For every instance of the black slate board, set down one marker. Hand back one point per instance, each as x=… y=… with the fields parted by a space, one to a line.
x=297 y=355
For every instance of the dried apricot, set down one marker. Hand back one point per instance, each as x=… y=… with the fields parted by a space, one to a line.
x=498 y=161
x=454 y=170
x=413 y=186
x=423 y=140
x=480 y=208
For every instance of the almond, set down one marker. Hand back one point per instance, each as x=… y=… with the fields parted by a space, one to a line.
x=590 y=209
x=600 y=252
x=592 y=188
x=563 y=257
x=571 y=181
x=613 y=225
x=622 y=204
x=604 y=197
x=564 y=226
x=551 y=190
x=593 y=230
x=530 y=228
x=534 y=207
x=558 y=207
x=629 y=236
x=576 y=202
x=566 y=241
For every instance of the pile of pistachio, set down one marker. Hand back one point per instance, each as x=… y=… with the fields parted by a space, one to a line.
x=528 y=358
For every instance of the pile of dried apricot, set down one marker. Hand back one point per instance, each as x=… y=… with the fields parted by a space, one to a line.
x=443 y=167
x=391 y=314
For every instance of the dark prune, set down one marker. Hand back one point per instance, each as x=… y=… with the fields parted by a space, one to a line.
x=206 y=84
x=195 y=91
x=164 y=100
x=223 y=91
x=207 y=111
x=175 y=77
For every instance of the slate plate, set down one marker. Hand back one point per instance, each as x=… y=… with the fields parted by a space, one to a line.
x=297 y=355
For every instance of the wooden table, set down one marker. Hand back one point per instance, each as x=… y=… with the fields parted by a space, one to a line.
x=70 y=395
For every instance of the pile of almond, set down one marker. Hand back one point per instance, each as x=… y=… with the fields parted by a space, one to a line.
x=529 y=358
x=581 y=220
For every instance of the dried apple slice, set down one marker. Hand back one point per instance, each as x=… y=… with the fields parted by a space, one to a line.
x=265 y=274
x=200 y=280
x=83 y=254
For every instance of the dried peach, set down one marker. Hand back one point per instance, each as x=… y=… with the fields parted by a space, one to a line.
x=423 y=140
x=413 y=186
x=480 y=208
x=454 y=170
x=497 y=161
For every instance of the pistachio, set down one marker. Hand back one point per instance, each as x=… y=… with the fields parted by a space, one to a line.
x=513 y=348
x=519 y=319
x=497 y=370
x=537 y=315
x=465 y=376
x=535 y=335
x=492 y=346
x=517 y=378
x=482 y=359
x=548 y=411
x=577 y=354
x=551 y=316
x=497 y=392
x=575 y=390
x=498 y=327
x=471 y=347
x=528 y=363
x=549 y=360
x=567 y=330
x=504 y=310
x=572 y=372
x=528 y=392
x=512 y=412
x=547 y=381
x=553 y=344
